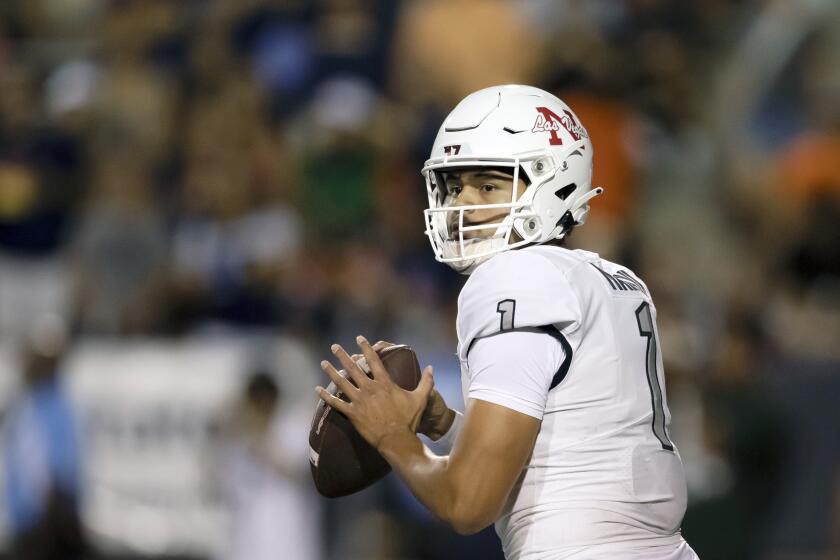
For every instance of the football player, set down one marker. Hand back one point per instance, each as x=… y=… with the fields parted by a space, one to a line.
x=564 y=443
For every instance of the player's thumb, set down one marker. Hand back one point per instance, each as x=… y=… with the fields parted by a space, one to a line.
x=427 y=383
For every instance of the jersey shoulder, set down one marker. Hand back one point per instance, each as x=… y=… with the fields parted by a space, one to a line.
x=528 y=288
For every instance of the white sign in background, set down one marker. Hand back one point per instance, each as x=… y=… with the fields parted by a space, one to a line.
x=149 y=413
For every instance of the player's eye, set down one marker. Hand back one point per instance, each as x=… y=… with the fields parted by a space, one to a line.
x=488 y=187
x=454 y=190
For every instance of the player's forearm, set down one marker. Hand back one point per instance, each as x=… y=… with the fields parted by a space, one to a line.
x=422 y=471
x=433 y=483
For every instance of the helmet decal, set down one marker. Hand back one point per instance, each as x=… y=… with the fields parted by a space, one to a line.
x=549 y=121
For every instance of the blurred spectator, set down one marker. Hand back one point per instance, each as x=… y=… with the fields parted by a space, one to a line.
x=338 y=159
x=613 y=128
x=39 y=170
x=40 y=167
x=808 y=181
x=264 y=474
x=443 y=48
x=121 y=252
x=43 y=456
x=747 y=443
x=236 y=233
x=808 y=165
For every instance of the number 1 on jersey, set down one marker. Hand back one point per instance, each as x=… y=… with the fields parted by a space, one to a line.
x=507 y=309
x=645 y=321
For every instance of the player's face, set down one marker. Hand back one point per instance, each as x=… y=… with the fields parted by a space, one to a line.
x=480 y=186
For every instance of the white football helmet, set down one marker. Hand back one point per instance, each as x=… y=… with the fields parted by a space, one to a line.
x=537 y=137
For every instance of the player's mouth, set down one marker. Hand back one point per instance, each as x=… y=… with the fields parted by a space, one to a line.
x=491 y=223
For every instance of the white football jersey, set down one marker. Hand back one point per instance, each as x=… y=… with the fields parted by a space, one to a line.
x=605 y=480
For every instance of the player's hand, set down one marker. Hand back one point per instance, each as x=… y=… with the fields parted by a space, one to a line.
x=377 y=347
x=437 y=417
x=378 y=408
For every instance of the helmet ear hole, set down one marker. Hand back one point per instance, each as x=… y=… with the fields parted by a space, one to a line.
x=564 y=193
x=527 y=227
x=531 y=225
x=566 y=222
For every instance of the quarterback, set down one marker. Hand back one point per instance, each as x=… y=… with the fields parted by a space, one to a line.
x=564 y=442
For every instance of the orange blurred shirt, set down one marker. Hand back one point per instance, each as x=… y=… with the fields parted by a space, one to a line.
x=609 y=124
x=810 y=165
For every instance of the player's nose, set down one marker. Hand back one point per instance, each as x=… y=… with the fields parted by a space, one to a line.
x=468 y=196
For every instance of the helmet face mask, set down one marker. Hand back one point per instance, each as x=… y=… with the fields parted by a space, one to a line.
x=461 y=244
x=492 y=128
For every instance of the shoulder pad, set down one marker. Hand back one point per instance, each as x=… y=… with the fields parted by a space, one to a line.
x=514 y=290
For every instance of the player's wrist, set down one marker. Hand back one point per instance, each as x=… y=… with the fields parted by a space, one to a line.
x=444 y=444
x=393 y=443
x=441 y=426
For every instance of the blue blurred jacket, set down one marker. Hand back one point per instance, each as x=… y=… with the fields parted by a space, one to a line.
x=42 y=454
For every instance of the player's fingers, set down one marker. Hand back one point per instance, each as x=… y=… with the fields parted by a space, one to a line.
x=340 y=381
x=427 y=384
x=333 y=401
x=374 y=363
x=381 y=345
x=353 y=369
x=360 y=361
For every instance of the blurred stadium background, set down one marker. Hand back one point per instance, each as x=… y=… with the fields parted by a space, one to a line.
x=198 y=196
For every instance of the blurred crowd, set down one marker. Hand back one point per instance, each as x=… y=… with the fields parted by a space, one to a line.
x=170 y=169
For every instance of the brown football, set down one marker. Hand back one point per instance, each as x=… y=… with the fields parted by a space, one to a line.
x=341 y=461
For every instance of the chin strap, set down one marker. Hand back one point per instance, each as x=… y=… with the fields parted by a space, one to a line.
x=568 y=221
x=590 y=195
x=582 y=205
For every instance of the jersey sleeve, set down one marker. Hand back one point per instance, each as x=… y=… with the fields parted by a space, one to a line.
x=515 y=290
x=515 y=369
